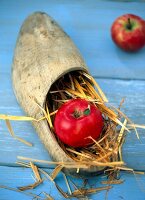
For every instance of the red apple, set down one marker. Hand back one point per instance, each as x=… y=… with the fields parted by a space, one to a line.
x=77 y=120
x=128 y=32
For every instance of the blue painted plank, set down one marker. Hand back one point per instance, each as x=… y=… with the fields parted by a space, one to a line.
x=87 y=23
x=16 y=176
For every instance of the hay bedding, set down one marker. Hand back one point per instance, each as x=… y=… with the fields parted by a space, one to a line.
x=104 y=152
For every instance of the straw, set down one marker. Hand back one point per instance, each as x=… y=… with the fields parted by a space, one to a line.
x=106 y=151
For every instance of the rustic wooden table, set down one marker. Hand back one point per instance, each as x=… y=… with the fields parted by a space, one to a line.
x=120 y=74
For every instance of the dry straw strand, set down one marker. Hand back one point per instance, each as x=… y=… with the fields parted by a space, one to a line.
x=35 y=171
x=17 y=118
x=56 y=171
x=10 y=129
x=67 y=183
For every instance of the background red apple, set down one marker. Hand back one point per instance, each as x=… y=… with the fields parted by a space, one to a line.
x=128 y=32
x=76 y=120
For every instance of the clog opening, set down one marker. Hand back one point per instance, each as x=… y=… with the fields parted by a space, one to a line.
x=105 y=150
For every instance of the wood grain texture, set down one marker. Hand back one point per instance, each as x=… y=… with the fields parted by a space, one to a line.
x=14 y=177
x=84 y=22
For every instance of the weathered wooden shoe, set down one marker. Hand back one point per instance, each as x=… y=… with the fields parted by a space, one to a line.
x=43 y=53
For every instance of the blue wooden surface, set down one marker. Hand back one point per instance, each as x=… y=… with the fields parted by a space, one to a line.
x=88 y=24
x=132 y=188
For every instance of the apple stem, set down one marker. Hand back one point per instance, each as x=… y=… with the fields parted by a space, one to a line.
x=78 y=113
x=129 y=24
